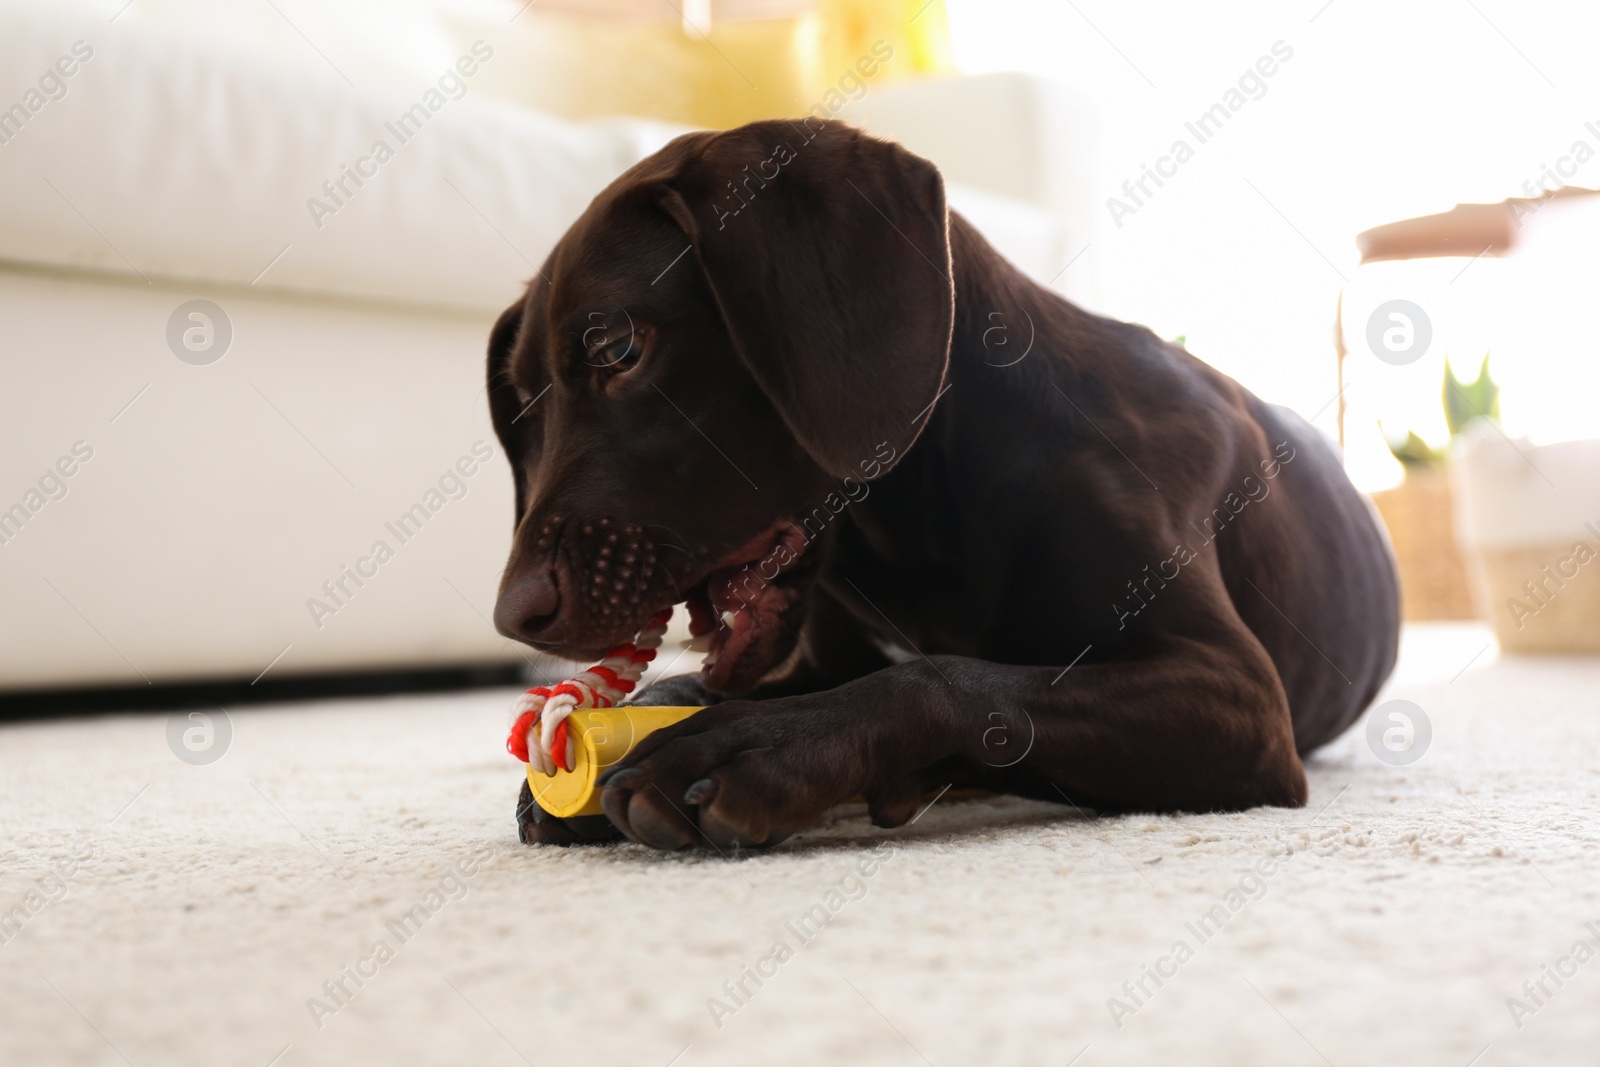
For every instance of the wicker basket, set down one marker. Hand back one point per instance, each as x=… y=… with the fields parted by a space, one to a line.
x=1530 y=516
x=1421 y=520
x=1543 y=599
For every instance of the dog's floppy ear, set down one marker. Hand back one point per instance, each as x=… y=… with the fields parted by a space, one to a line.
x=828 y=252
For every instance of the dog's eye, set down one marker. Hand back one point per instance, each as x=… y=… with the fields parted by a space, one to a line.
x=619 y=355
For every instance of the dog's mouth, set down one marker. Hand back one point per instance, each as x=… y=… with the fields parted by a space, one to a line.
x=739 y=612
x=739 y=606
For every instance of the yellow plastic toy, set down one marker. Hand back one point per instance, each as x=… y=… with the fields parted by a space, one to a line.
x=600 y=738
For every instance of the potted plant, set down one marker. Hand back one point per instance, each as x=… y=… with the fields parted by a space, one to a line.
x=1420 y=512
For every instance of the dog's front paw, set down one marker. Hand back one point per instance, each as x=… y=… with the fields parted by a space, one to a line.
x=747 y=773
x=679 y=691
x=535 y=826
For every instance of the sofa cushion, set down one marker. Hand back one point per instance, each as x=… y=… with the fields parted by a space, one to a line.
x=156 y=157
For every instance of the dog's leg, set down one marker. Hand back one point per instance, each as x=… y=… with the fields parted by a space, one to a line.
x=1191 y=717
x=679 y=691
x=535 y=826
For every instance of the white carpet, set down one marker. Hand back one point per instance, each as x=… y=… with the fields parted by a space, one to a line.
x=201 y=919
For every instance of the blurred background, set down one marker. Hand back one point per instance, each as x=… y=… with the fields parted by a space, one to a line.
x=250 y=253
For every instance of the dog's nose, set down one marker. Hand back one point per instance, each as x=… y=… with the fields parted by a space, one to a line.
x=527 y=605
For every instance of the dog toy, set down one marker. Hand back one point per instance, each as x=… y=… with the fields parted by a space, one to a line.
x=601 y=686
x=580 y=729
x=599 y=737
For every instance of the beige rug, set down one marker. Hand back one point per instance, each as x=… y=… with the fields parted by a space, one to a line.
x=345 y=886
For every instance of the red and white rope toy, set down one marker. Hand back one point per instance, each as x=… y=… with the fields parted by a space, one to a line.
x=601 y=686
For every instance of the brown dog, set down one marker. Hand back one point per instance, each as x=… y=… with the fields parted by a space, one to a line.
x=770 y=374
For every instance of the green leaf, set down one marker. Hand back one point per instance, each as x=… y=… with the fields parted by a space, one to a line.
x=1413 y=451
x=1465 y=401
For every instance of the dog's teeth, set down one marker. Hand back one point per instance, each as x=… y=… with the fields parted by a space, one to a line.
x=698 y=644
x=710 y=659
x=727 y=619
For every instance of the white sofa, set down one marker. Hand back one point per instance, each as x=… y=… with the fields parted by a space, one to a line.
x=176 y=519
